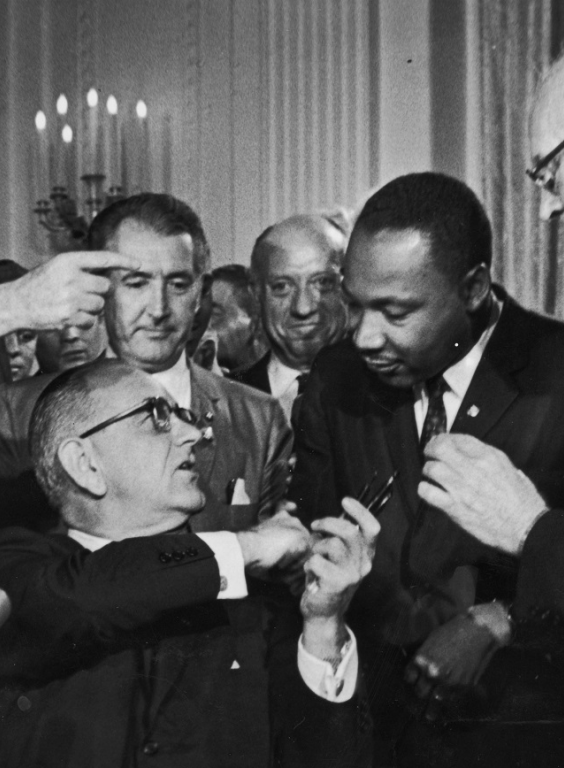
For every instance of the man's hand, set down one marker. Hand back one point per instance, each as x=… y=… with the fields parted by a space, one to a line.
x=479 y=488
x=64 y=291
x=278 y=541
x=341 y=556
x=449 y=664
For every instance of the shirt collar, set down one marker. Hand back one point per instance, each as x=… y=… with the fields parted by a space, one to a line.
x=177 y=382
x=459 y=375
x=87 y=540
x=280 y=375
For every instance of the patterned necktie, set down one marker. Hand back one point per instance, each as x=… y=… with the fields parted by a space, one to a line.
x=435 y=420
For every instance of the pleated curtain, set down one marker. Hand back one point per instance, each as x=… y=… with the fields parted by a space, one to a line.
x=518 y=39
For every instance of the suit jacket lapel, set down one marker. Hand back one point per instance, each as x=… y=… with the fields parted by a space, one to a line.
x=493 y=387
x=205 y=405
x=401 y=436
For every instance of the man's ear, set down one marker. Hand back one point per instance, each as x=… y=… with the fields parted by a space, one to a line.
x=476 y=287
x=80 y=463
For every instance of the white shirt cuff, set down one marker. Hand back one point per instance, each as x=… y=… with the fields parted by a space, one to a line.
x=319 y=677
x=229 y=557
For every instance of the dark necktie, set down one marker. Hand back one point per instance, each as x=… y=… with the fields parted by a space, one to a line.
x=435 y=420
x=302 y=381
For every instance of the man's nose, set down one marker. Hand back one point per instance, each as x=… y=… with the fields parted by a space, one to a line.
x=70 y=333
x=551 y=205
x=184 y=433
x=159 y=306
x=304 y=302
x=369 y=331
x=12 y=344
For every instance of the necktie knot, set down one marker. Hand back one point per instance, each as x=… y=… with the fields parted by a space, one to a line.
x=435 y=420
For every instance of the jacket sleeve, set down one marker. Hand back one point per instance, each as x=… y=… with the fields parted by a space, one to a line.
x=540 y=583
x=307 y=730
x=69 y=604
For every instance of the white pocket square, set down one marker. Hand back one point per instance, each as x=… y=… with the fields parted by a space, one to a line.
x=240 y=495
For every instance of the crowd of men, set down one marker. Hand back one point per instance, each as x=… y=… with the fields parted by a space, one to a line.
x=309 y=513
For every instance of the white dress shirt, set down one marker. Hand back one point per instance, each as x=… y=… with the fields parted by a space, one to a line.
x=177 y=381
x=333 y=685
x=458 y=376
x=283 y=383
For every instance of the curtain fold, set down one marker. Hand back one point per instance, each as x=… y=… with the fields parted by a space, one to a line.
x=516 y=45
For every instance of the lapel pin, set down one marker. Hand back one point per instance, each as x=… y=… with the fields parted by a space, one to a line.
x=207 y=433
x=208 y=416
x=473 y=411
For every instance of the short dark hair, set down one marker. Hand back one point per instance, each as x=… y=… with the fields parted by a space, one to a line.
x=239 y=278
x=440 y=207
x=164 y=214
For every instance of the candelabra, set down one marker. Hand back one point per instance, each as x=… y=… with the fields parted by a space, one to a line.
x=59 y=214
x=100 y=148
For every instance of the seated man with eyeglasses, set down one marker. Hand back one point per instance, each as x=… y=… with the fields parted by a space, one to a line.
x=124 y=647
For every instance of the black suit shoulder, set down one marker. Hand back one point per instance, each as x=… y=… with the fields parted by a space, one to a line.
x=256 y=375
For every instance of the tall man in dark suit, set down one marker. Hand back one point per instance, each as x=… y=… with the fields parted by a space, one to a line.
x=475 y=484
x=436 y=348
x=124 y=646
x=295 y=267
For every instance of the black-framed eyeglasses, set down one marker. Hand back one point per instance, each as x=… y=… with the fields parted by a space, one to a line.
x=540 y=173
x=160 y=411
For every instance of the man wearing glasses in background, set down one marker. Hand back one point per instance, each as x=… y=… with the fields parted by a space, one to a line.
x=436 y=348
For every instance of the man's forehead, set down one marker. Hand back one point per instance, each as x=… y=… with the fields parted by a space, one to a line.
x=547 y=117
x=153 y=250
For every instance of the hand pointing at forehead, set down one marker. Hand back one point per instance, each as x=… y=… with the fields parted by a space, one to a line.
x=479 y=488
x=67 y=290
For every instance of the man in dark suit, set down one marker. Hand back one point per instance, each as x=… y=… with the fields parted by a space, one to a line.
x=435 y=349
x=124 y=646
x=295 y=267
x=242 y=458
x=476 y=484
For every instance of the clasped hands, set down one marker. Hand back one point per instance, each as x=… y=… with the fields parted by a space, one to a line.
x=324 y=565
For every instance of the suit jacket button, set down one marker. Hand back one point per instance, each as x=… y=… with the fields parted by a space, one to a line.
x=178 y=556
x=151 y=748
x=192 y=552
x=24 y=704
x=165 y=557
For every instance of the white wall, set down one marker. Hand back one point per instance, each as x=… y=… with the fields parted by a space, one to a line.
x=257 y=108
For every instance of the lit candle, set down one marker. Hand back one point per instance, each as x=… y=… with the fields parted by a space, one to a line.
x=113 y=144
x=68 y=165
x=42 y=162
x=142 y=141
x=61 y=152
x=92 y=164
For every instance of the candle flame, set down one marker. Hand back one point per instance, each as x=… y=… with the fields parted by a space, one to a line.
x=67 y=134
x=92 y=97
x=141 y=110
x=40 y=121
x=62 y=105
x=112 y=105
